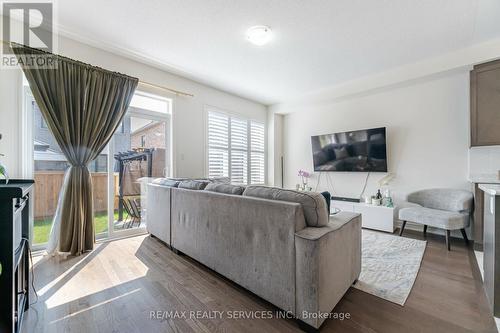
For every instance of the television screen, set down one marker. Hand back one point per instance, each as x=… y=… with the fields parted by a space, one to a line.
x=363 y=151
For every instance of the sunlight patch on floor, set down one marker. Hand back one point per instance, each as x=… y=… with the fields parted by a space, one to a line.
x=97 y=271
x=96 y=305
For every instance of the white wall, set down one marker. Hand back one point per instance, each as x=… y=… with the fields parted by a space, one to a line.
x=275 y=148
x=10 y=120
x=427 y=132
x=188 y=112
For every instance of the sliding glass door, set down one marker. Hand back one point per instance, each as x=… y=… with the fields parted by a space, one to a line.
x=139 y=151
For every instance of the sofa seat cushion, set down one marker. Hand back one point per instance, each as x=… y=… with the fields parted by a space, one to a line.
x=435 y=217
x=313 y=203
x=193 y=184
x=225 y=188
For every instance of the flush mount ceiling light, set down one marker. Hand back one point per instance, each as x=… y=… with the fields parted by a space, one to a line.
x=259 y=35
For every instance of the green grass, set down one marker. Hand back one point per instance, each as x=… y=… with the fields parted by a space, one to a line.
x=41 y=227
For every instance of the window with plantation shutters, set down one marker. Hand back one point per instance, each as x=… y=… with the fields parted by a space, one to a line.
x=236 y=148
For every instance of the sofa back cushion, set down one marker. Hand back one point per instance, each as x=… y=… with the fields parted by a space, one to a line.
x=167 y=182
x=225 y=188
x=313 y=203
x=193 y=184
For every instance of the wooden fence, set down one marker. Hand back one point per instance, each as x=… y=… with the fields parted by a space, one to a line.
x=48 y=185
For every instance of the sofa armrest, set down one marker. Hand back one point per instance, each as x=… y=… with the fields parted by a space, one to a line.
x=158 y=205
x=328 y=261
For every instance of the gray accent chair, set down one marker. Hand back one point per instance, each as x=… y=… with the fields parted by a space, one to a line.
x=447 y=209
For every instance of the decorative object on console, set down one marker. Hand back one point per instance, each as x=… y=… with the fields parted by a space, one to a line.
x=384 y=184
x=387 y=202
x=304 y=176
x=377 y=199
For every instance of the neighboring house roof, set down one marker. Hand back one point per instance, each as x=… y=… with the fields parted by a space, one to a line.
x=40 y=145
x=44 y=153
x=49 y=156
x=146 y=127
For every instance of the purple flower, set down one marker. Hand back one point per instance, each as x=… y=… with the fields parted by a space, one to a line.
x=303 y=173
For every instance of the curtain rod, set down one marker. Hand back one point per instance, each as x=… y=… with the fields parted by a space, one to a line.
x=176 y=92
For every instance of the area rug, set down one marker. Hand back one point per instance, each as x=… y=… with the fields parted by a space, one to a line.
x=389 y=265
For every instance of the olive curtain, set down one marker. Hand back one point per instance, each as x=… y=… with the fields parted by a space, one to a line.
x=82 y=105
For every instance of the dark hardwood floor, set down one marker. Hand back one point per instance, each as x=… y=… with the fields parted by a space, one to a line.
x=115 y=288
x=447 y=296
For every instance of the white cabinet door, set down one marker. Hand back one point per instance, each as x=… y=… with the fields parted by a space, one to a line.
x=376 y=217
x=343 y=206
x=372 y=217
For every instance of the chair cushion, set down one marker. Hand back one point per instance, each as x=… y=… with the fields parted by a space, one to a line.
x=313 y=203
x=444 y=199
x=193 y=184
x=435 y=217
x=225 y=188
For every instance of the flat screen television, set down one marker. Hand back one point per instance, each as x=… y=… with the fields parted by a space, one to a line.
x=362 y=151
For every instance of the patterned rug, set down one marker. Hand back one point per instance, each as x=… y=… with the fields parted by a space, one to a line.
x=389 y=265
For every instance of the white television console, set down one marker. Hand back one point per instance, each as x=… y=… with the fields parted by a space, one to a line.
x=373 y=217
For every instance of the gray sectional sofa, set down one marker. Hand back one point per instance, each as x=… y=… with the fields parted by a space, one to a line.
x=281 y=245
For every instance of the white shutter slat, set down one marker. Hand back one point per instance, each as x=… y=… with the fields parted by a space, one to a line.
x=218 y=145
x=239 y=167
x=239 y=151
x=257 y=136
x=257 y=153
x=257 y=166
x=218 y=165
x=239 y=137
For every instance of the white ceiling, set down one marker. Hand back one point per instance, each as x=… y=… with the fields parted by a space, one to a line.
x=316 y=44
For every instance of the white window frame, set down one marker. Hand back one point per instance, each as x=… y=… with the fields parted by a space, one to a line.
x=249 y=120
x=145 y=114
